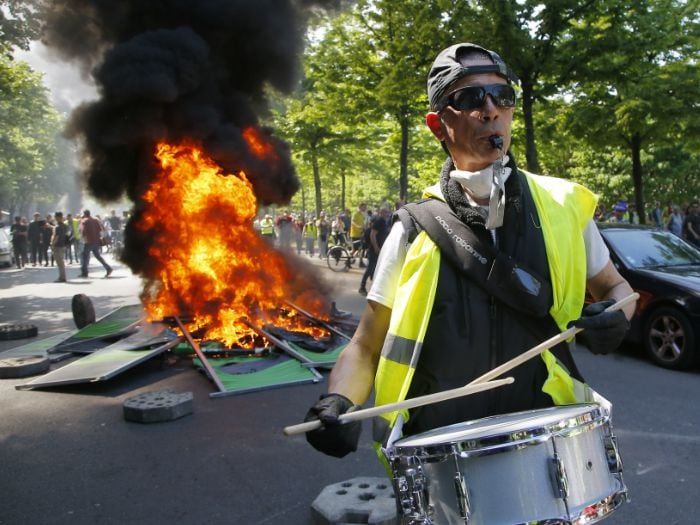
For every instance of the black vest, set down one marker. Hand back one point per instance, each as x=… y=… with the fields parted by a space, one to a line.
x=470 y=333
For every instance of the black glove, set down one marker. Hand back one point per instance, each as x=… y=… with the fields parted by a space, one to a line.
x=333 y=438
x=604 y=330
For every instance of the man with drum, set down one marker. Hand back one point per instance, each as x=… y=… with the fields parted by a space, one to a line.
x=492 y=262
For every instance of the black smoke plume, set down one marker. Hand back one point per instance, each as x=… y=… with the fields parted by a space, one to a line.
x=173 y=70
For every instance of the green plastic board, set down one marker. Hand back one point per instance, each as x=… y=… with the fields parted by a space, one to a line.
x=151 y=340
x=242 y=374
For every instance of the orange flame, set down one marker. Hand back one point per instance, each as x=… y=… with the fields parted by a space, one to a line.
x=212 y=264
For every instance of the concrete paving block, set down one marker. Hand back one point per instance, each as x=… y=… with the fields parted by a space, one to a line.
x=23 y=366
x=154 y=407
x=357 y=500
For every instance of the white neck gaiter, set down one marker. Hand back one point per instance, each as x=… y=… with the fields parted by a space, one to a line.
x=489 y=182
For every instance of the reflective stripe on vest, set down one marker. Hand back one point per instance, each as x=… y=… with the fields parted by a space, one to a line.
x=267 y=227
x=563 y=207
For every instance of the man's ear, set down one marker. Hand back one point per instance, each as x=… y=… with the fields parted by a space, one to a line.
x=432 y=119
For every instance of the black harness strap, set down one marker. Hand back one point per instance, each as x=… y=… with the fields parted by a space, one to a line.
x=497 y=273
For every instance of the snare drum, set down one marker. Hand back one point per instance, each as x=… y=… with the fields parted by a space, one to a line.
x=553 y=465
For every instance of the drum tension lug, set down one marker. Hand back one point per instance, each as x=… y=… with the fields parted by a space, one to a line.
x=561 y=480
x=412 y=495
x=462 y=497
x=613 y=455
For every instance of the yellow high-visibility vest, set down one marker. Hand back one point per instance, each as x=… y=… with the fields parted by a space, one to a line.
x=564 y=209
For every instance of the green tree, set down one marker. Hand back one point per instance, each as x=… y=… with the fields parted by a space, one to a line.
x=20 y=23
x=29 y=128
x=638 y=87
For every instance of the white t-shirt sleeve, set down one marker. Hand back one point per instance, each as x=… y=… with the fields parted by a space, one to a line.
x=389 y=264
x=597 y=253
x=393 y=255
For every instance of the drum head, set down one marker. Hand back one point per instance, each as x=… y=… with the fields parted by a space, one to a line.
x=510 y=427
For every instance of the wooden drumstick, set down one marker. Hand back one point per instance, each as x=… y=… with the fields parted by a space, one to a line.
x=549 y=343
x=486 y=379
x=401 y=405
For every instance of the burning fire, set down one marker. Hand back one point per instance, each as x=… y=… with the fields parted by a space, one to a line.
x=212 y=264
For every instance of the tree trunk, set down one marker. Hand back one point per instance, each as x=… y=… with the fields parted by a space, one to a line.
x=342 y=189
x=403 y=160
x=636 y=146
x=317 y=183
x=532 y=162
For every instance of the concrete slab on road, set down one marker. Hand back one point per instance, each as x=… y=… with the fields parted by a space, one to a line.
x=68 y=456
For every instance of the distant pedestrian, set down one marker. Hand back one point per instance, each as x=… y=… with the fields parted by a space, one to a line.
x=34 y=238
x=379 y=229
x=324 y=230
x=46 y=234
x=619 y=213
x=60 y=241
x=357 y=229
x=299 y=232
x=310 y=235
x=338 y=230
x=267 y=229
x=18 y=231
x=285 y=229
x=74 y=223
x=675 y=221
x=692 y=224
x=655 y=214
x=91 y=230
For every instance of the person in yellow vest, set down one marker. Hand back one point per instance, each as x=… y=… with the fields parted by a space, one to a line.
x=310 y=234
x=267 y=228
x=500 y=262
x=357 y=230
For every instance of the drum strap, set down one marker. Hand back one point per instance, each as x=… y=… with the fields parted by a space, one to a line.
x=497 y=273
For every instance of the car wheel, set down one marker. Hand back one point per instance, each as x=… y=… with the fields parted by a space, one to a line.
x=669 y=339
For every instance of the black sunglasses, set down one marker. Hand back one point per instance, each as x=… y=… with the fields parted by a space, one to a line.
x=472 y=97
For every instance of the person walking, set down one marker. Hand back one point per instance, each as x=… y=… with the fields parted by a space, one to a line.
x=440 y=313
x=91 y=233
x=74 y=223
x=60 y=241
x=378 y=232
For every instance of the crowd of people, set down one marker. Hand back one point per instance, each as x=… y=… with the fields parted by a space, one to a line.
x=60 y=239
x=681 y=220
x=362 y=232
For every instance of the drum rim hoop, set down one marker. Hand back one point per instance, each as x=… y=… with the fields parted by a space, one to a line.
x=535 y=434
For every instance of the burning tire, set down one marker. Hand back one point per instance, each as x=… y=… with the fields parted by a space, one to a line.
x=17 y=331
x=83 y=310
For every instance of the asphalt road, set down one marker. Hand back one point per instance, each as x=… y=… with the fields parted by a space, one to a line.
x=68 y=456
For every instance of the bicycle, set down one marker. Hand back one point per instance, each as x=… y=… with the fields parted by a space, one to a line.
x=339 y=258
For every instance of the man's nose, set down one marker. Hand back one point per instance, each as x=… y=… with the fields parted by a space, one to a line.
x=489 y=109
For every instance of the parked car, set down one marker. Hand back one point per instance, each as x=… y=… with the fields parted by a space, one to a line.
x=665 y=271
x=5 y=248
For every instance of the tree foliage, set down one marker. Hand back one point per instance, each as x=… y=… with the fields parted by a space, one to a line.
x=20 y=23
x=609 y=94
x=30 y=128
